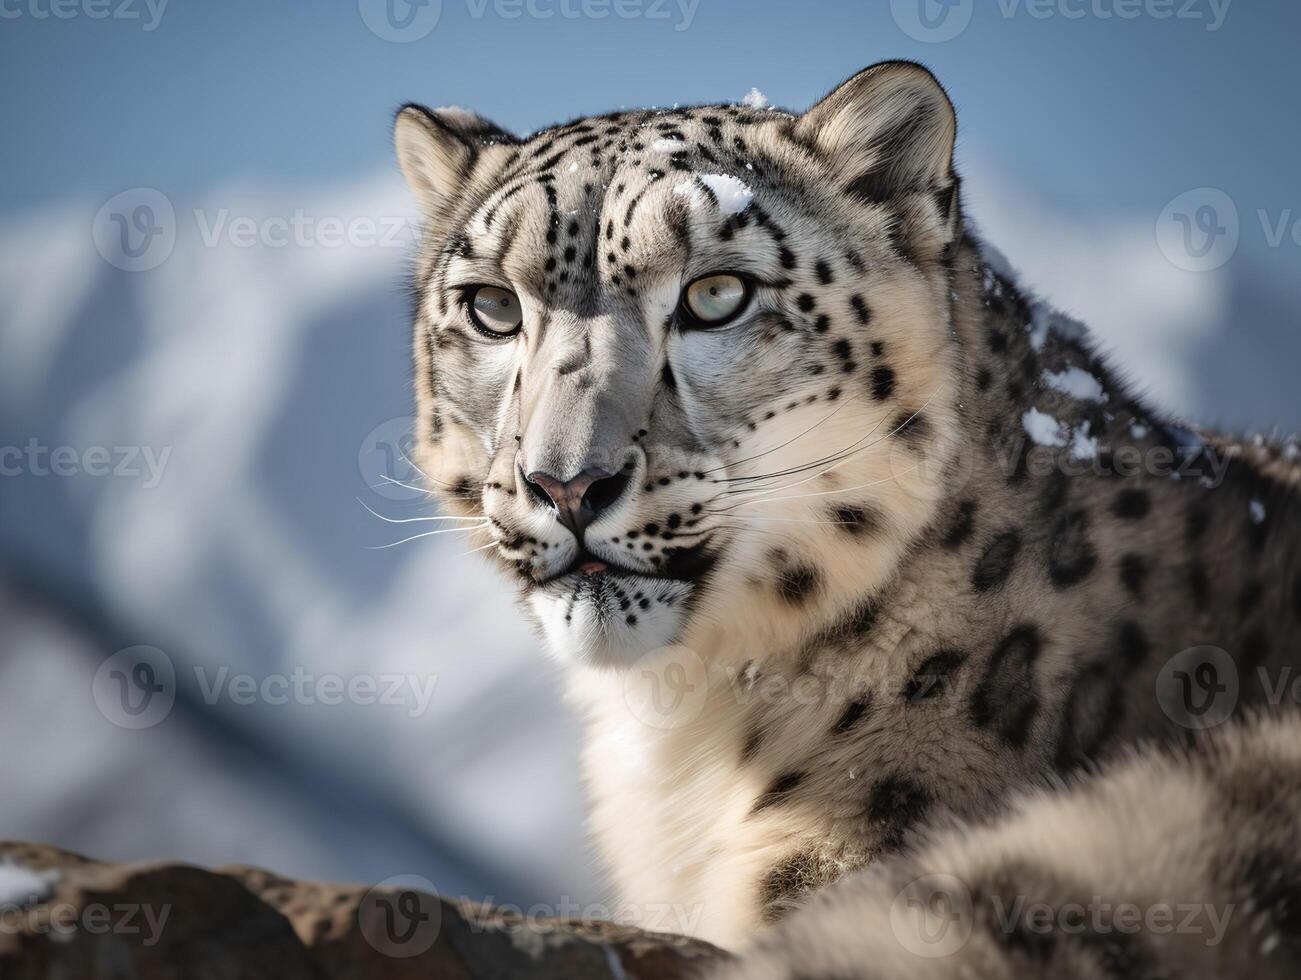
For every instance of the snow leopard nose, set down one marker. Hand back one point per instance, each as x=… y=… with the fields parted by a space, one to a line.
x=580 y=500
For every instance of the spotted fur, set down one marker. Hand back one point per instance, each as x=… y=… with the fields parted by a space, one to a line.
x=870 y=559
x=1052 y=889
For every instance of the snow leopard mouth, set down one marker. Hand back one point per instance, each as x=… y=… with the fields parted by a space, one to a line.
x=686 y=565
x=588 y=565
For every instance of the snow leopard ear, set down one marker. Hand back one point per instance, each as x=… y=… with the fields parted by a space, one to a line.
x=890 y=128
x=437 y=150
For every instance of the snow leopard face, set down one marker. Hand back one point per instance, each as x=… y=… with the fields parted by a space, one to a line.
x=690 y=366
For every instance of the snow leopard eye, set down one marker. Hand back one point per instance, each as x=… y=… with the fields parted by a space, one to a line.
x=494 y=311
x=715 y=299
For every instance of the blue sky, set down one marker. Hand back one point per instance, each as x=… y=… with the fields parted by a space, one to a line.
x=1097 y=111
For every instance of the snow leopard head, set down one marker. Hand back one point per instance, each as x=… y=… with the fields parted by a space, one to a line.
x=693 y=366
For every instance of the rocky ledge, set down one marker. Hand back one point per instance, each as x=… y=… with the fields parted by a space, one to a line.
x=66 y=916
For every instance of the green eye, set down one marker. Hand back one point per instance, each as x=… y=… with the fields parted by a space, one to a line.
x=495 y=311
x=716 y=299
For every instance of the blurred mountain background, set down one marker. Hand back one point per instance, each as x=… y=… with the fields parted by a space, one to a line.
x=250 y=390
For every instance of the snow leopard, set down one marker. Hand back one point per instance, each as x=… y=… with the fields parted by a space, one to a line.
x=861 y=561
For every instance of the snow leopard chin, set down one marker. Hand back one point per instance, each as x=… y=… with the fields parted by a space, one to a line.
x=608 y=620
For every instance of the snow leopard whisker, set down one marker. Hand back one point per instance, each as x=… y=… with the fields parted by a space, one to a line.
x=419 y=520
x=828 y=493
x=447 y=486
x=850 y=450
x=837 y=459
x=898 y=428
x=800 y=435
x=789 y=520
x=405 y=486
x=429 y=534
x=797 y=469
x=472 y=551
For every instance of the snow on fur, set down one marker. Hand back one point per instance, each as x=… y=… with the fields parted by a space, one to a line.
x=1076 y=382
x=732 y=194
x=1043 y=429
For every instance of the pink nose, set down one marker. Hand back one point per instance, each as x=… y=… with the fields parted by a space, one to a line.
x=579 y=501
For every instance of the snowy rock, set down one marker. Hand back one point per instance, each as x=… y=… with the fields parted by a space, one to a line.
x=20 y=886
x=159 y=921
